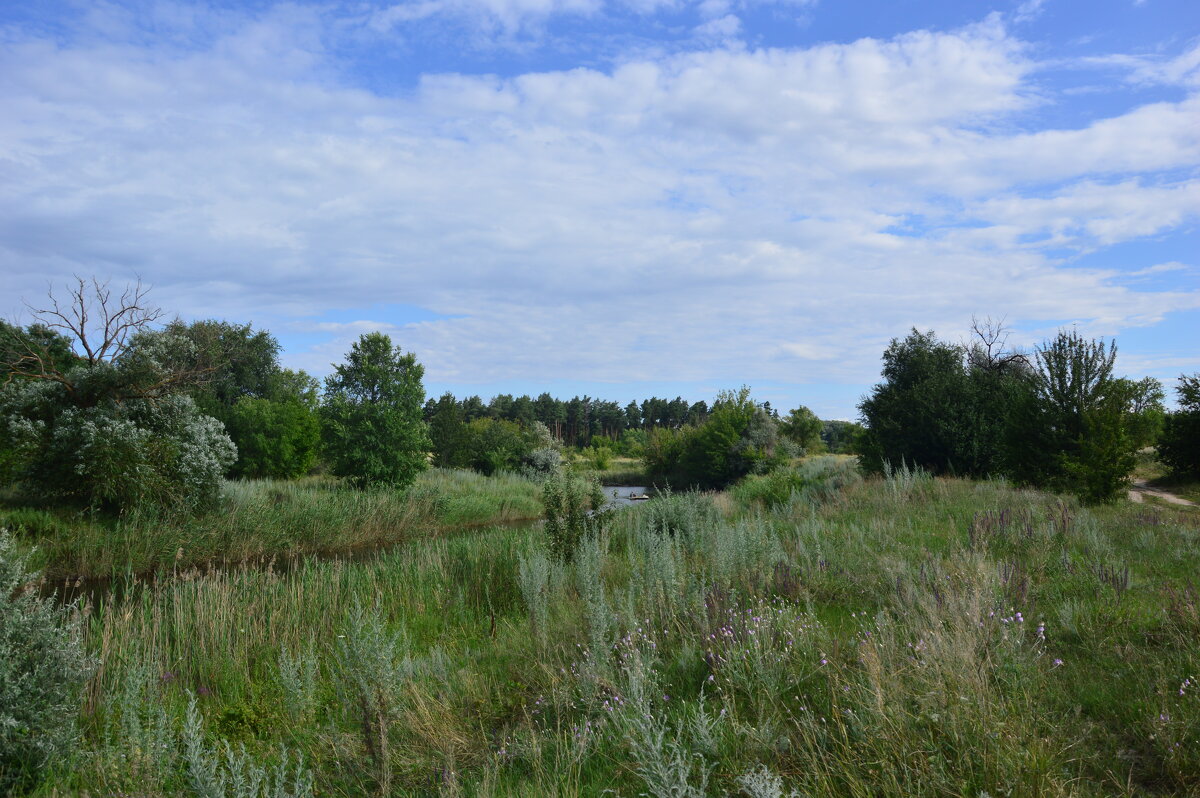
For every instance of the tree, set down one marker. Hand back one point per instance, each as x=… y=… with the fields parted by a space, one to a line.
x=109 y=426
x=241 y=362
x=374 y=432
x=1145 y=413
x=277 y=433
x=841 y=437
x=738 y=438
x=448 y=434
x=803 y=427
x=1179 y=444
x=1068 y=426
x=919 y=413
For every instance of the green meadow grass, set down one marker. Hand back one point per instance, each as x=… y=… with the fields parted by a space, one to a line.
x=263 y=519
x=883 y=637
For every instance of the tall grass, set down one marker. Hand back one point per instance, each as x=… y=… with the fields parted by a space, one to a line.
x=265 y=519
x=891 y=637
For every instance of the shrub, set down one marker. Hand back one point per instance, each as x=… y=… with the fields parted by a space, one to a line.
x=101 y=444
x=737 y=438
x=42 y=670
x=1179 y=445
x=574 y=509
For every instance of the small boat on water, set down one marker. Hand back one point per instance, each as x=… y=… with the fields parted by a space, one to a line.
x=636 y=497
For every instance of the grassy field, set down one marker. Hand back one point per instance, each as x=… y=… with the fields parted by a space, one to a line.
x=265 y=519
x=898 y=637
x=620 y=471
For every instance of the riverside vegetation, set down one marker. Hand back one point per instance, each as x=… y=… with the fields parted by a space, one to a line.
x=353 y=623
x=811 y=632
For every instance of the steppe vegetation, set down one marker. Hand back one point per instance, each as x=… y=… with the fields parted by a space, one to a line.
x=293 y=602
x=905 y=635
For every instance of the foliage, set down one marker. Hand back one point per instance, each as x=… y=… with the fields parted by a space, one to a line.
x=804 y=428
x=488 y=444
x=229 y=772
x=841 y=437
x=42 y=671
x=941 y=406
x=374 y=432
x=1179 y=445
x=275 y=439
x=1145 y=413
x=738 y=437
x=813 y=481
x=373 y=666
x=574 y=510
x=110 y=437
x=920 y=410
x=238 y=362
x=448 y=434
x=107 y=425
x=270 y=413
x=1067 y=430
x=17 y=343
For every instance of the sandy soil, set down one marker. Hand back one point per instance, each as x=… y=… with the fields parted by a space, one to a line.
x=1139 y=490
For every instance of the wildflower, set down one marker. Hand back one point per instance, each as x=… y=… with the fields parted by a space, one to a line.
x=1057 y=662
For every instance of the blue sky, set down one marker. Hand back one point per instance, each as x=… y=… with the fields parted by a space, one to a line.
x=617 y=198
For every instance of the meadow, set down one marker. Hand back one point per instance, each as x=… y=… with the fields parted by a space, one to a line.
x=810 y=632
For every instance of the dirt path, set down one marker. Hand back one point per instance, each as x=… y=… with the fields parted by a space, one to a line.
x=1139 y=490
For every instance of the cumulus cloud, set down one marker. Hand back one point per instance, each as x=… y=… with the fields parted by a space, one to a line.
x=724 y=215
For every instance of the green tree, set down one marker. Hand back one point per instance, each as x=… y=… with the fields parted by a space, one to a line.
x=110 y=428
x=374 y=432
x=919 y=413
x=1179 y=444
x=738 y=438
x=449 y=435
x=803 y=427
x=1146 y=413
x=238 y=362
x=1068 y=428
x=276 y=440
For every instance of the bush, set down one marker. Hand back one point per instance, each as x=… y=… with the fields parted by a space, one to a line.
x=574 y=509
x=1179 y=445
x=815 y=480
x=737 y=438
x=135 y=454
x=42 y=670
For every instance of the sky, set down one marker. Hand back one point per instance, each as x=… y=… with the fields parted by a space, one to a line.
x=618 y=199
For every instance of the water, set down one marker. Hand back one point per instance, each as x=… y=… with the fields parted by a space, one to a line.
x=619 y=495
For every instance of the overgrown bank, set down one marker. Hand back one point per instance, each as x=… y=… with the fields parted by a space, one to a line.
x=264 y=519
x=899 y=636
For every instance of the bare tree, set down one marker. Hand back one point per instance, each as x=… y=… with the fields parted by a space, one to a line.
x=990 y=351
x=99 y=326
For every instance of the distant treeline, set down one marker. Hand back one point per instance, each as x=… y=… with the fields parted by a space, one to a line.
x=585 y=422
x=576 y=421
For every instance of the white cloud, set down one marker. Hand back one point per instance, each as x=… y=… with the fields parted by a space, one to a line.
x=1155 y=68
x=721 y=216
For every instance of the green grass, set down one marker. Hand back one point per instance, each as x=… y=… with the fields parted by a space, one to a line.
x=620 y=471
x=898 y=637
x=260 y=520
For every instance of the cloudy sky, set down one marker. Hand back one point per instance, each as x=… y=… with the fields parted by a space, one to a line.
x=617 y=198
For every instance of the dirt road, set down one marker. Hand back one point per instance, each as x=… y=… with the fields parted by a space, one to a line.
x=1139 y=490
